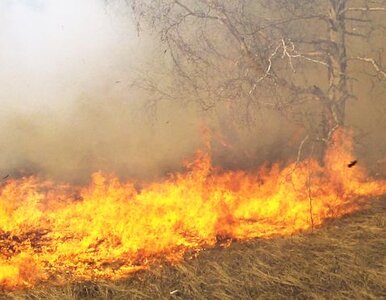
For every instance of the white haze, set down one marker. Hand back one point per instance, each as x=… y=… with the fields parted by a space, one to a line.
x=57 y=48
x=66 y=105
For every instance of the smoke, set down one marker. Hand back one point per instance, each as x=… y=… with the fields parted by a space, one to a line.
x=67 y=108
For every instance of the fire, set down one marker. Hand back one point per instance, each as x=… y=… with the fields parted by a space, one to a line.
x=110 y=228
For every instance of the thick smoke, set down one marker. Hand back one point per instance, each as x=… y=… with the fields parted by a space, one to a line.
x=68 y=106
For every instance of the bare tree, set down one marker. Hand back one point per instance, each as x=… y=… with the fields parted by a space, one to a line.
x=287 y=55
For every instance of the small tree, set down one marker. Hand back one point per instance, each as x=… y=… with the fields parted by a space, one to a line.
x=290 y=56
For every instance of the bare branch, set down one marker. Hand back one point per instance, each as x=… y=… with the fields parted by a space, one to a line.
x=196 y=14
x=300 y=150
x=365 y=9
x=373 y=63
x=267 y=71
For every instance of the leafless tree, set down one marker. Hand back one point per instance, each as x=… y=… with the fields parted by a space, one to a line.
x=291 y=56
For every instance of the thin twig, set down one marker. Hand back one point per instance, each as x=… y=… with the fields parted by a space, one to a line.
x=309 y=190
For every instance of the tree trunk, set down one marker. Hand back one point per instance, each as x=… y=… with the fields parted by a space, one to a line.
x=337 y=73
x=333 y=112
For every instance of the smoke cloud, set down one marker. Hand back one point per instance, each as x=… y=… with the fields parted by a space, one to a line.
x=66 y=104
x=68 y=107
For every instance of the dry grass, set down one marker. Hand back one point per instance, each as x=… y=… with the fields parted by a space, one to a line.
x=343 y=260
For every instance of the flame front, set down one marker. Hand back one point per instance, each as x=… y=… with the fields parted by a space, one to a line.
x=110 y=229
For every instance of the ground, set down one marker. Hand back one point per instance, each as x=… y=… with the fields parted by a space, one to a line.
x=344 y=259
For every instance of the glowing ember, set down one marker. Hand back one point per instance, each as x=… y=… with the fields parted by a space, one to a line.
x=109 y=229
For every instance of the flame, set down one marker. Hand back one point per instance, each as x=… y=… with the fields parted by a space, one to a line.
x=110 y=228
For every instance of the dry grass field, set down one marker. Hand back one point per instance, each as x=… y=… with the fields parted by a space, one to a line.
x=345 y=259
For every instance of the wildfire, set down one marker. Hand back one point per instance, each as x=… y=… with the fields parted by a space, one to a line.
x=110 y=228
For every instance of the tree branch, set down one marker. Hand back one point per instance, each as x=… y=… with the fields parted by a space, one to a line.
x=373 y=63
x=366 y=9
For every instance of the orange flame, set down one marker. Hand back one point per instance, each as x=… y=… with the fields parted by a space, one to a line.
x=110 y=229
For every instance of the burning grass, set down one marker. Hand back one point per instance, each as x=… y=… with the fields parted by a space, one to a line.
x=109 y=230
x=343 y=260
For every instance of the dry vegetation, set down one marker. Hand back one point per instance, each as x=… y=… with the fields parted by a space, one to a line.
x=345 y=259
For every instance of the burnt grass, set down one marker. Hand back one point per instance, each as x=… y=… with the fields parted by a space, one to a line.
x=344 y=259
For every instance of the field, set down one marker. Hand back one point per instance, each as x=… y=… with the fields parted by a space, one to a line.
x=345 y=259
